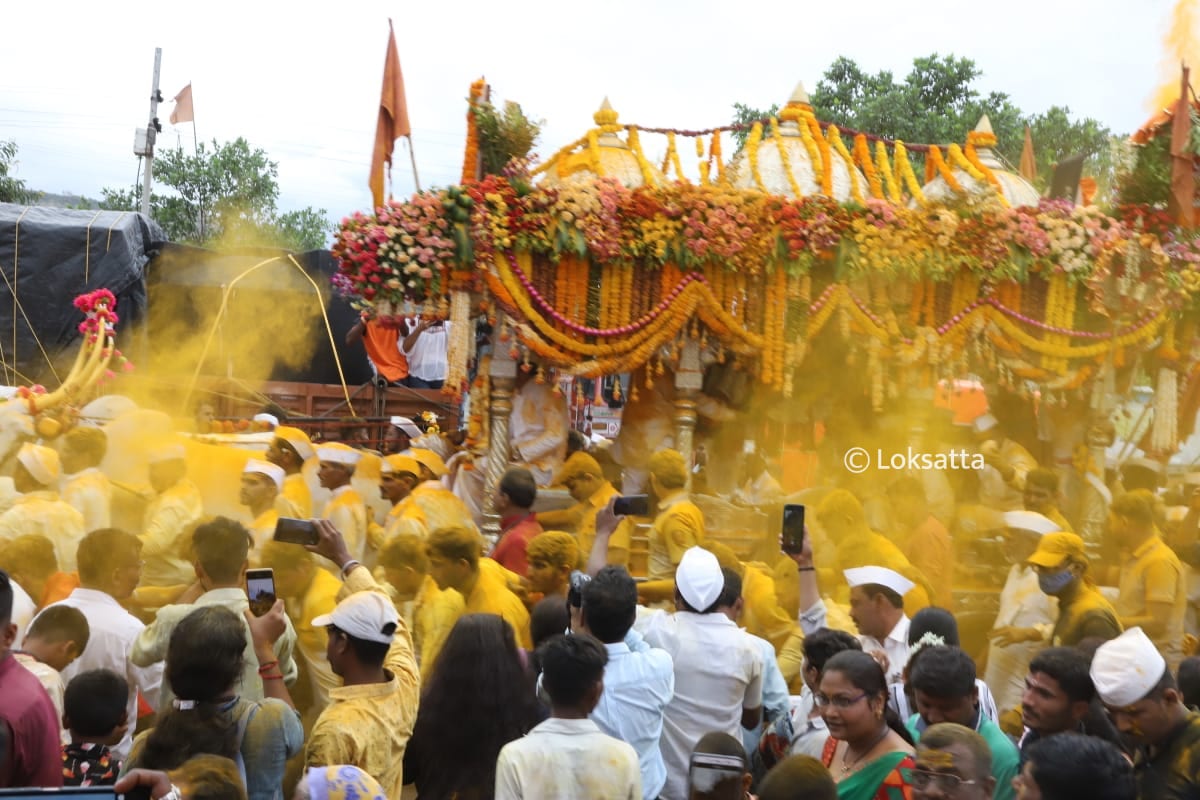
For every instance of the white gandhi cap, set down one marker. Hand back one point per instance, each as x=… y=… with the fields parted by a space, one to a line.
x=258 y=467
x=699 y=578
x=879 y=576
x=1030 y=521
x=1126 y=668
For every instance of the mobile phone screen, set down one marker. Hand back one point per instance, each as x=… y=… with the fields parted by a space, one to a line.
x=296 y=531
x=260 y=588
x=714 y=775
x=793 y=528
x=632 y=505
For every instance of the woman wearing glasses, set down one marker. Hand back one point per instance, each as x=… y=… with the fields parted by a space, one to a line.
x=869 y=752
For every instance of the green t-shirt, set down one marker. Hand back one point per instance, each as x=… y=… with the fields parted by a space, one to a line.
x=1005 y=756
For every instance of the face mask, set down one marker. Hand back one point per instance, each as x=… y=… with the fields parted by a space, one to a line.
x=1055 y=582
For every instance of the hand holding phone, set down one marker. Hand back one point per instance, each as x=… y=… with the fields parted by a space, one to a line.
x=260 y=588
x=792 y=539
x=296 y=531
x=632 y=505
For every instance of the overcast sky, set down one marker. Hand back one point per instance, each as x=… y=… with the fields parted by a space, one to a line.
x=302 y=80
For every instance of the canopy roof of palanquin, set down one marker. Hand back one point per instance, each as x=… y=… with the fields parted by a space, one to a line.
x=605 y=155
x=970 y=190
x=793 y=146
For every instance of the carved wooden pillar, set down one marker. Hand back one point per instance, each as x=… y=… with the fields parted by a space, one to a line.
x=688 y=380
x=503 y=374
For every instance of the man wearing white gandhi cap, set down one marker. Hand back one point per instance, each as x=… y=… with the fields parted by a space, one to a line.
x=1026 y=614
x=39 y=510
x=877 y=608
x=346 y=508
x=1144 y=702
x=169 y=518
x=718 y=667
x=261 y=484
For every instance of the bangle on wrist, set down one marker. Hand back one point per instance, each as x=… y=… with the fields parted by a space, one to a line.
x=350 y=565
x=807 y=569
x=267 y=666
x=275 y=676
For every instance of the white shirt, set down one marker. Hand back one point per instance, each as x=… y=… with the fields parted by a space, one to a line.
x=23 y=611
x=90 y=493
x=567 y=759
x=895 y=647
x=809 y=733
x=113 y=630
x=427 y=358
x=639 y=681
x=1023 y=604
x=775 y=693
x=718 y=672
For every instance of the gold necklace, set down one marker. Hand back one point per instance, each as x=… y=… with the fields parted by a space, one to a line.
x=849 y=765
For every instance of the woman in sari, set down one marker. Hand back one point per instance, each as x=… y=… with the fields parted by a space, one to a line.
x=869 y=752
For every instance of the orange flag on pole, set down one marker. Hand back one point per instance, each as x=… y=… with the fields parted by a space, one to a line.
x=393 y=118
x=1028 y=167
x=1183 y=179
x=183 y=107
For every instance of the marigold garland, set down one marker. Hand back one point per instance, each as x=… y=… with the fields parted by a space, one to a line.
x=835 y=138
x=809 y=138
x=635 y=144
x=936 y=163
x=905 y=175
x=887 y=173
x=784 y=159
x=470 y=167
x=752 y=143
x=862 y=155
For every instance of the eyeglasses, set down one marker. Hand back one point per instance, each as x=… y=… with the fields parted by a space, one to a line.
x=837 y=702
x=944 y=781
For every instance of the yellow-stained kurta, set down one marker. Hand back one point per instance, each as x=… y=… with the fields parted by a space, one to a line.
x=621 y=539
x=90 y=493
x=538 y=429
x=320 y=598
x=491 y=595
x=348 y=513
x=295 y=500
x=434 y=612
x=45 y=514
x=678 y=526
x=440 y=507
x=369 y=726
x=165 y=547
x=263 y=531
x=761 y=613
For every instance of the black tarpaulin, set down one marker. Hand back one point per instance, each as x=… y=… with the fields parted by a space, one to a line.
x=48 y=256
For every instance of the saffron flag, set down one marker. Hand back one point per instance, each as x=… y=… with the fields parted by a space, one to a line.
x=393 y=118
x=1183 y=178
x=1028 y=168
x=183 y=107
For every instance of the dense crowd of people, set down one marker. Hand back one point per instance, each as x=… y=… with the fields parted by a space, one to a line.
x=407 y=656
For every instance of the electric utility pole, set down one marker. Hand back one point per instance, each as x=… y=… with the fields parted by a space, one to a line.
x=144 y=138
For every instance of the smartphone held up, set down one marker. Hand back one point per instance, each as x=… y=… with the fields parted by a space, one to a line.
x=792 y=539
x=260 y=588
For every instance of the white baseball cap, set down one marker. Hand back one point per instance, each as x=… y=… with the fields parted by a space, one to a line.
x=364 y=615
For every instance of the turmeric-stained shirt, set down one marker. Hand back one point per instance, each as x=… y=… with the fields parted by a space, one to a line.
x=42 y=513
x=492 y=596
x=90 y=493
x=762 y=615
x=1087 y=615
x=262 y=529
x=440 y=507
x=1055 y=516
x=311 y=641
x=929 y=548
x=678 y=527
x=295 y=500
x=621 y=539
x=383 y=348
x=405 y=518
x=1153 y=574
x=434 y=613
x=369 y=726
x=165 y=545
x=348 y=513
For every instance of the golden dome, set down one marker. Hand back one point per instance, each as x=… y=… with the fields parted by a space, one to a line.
x=603 y=155
x=773 y=167
x=1015 y=189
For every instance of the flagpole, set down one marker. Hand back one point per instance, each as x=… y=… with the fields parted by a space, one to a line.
x=412 y=156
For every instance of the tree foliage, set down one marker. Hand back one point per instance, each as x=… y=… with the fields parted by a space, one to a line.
x=504 y=135
x=937 y=103
x=12 y=190
x=223 y=194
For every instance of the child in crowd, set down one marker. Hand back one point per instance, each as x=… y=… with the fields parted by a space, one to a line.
x=55 y=638
x=95 y=716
